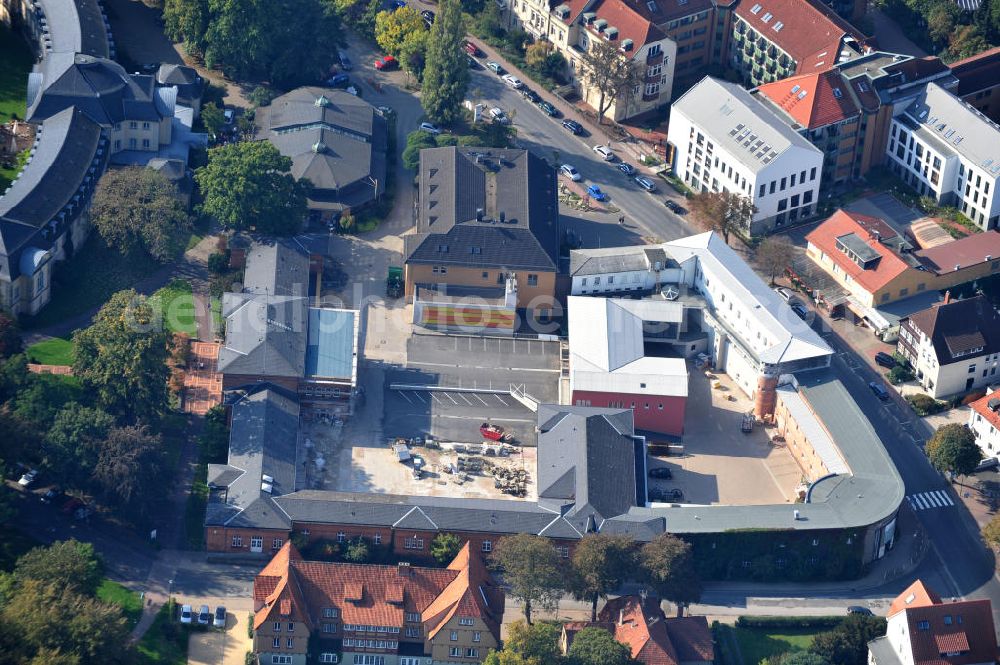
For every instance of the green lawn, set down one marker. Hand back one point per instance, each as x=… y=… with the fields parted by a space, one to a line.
x=115 y=594
x=176 y=305
x=88 y=279
x=15 y=64
x=756 y=644
x=55 y=351
x=166 y=641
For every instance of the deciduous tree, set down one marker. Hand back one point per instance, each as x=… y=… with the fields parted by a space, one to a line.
x=446 y=72
x=10 y=336
x=609 y=71
x=66 y=564
x=187 y=21
x=531 y=568
x=991 y=532
x=445 y=547
x=392 y=28
x=601 y=563
x=415 y=142
x=724 y=212
x=774 y=254
x=121 y=359
x=596 y=646
x=537 y=643
x=247 y=186
x=213 y=118
x=136 y=209
x=413 y=53
x=128 y=468
x=71 y=444
x=847 y=644
x=953 y=449
x=668 y=569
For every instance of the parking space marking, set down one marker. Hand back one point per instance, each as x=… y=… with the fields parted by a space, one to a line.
x=403 y=395
x=420 y=397
x=434 y=397
x=480 y=399
x=464 y=399
x=502 y=400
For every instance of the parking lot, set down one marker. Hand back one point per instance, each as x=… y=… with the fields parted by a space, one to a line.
x=721 y=464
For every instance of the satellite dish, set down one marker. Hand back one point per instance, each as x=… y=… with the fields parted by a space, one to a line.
x=670 y=293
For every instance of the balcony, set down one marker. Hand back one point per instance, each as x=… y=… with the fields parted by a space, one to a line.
x=654 y=59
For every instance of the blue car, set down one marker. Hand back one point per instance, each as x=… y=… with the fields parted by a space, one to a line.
x=594 y=192
x=339 y=81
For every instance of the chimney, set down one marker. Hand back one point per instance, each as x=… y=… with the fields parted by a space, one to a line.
x=621 y=617
x=947 y=297
x=403 y=569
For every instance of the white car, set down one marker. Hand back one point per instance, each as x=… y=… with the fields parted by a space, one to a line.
x=229 y=115
x=187 y=616
x=430 y=128
x=645 y=183
x=605 y=152
x=28 y=478
x=512 y=81
x=497 y=114
x=570 y=172
x=785 y=293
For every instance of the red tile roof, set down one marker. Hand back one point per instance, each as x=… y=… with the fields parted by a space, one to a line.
x=937 y=628
x=375 y=595
x=842 y=222
x=978 y=72
x=982 y=407
x=652 y=638
x=964 y=252
x=811 y=33
x=692 y=638
x=812 y=100
x=634 y=21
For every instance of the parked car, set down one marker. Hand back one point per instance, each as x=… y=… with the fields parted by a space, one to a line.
x=430 y=128
x=987 y=464
x=530 y=95
x=883 y=359
x=54 y=493
x=799 y=309
x=858 y=609
x=345 y=62
x=28 y=478
x=573 y=126
x=645 y=183
x=673 y=207
x=187 y=616
x=785 y=293
x=495 y=68
x=570 y=172
x=594 y=192
x=879 y=391
x=428 y=17
x=386 y=63
x=659 y=495
x=338 y=81
x=77 y=508
x=220 y=617
x=229 y=114
x=497 y=115
x=626 y=168
x=663 y=472
x=473 y=63
x=605 y=152
x=473 y=50
x=150 y=67
x=548 y=109
x=512 y=81
x=204 y=615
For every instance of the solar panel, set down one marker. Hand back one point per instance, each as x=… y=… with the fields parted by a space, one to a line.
x=796 y=88
x=778 y=26
x=755 y=9
x=802 y=95
x=767 y=17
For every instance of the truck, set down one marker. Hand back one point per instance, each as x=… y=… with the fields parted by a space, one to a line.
x=394 y=282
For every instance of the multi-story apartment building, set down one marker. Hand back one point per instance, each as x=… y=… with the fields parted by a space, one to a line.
x=775 y=39
x=979 y=82
x=954 y=346
x=947 y=150
x=725 y=139
x=318 y=612
x=984 y=421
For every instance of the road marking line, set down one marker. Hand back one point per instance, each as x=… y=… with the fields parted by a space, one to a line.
x=434 y=397
x=480 y=399
x=466 y=399
x=502 y=401
x=946 y=500
x=448 y=395
x=420 y=397
x=403 y=395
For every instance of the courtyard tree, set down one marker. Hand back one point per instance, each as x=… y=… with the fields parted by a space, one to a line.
x=137 y=210
x=247 y=186
x=446 y=71
x=445 y=547
x=847 y=644
x=531 y=568
x=596 y=646
x=213 y=118
x=667 y=566
x=357 y=551
x=774 y=254
x=415 y=142
x=121 y=358
x=65 y=564
x=128 y=469
x=600 y=564
x=611 y=72
x=413 y=53
x=535 y=643
x=393 y=28
x=952 y=449
x=724 y=212
x=70 y=447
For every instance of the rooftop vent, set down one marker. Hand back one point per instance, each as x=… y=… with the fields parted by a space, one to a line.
x=318 y=147
x=993 y=404
x=322 y=100
x=266 y=487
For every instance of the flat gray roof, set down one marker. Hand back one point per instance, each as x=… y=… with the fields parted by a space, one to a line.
x=331 y=349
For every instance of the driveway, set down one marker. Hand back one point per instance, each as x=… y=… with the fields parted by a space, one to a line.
x=222 y=647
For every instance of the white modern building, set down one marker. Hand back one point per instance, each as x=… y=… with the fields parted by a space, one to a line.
x=984 y=421
x=748 y=330
x=726 y=140
x=946 y=149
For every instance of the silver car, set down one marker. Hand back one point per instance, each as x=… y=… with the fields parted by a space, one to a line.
x=645 y=183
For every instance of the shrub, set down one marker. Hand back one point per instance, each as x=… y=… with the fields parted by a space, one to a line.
x=899 y=374
x=218 y=262
x=261 y=96
x=925 y=405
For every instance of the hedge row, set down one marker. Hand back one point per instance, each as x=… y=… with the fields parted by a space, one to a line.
x=789 y=622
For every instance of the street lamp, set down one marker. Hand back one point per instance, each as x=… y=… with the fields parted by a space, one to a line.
x=374 y=181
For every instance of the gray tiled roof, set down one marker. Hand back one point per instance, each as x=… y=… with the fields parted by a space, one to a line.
x=189 y=84
x=99 y=87
x=262 y=442
x=274 y=267
x=64 y=157
x=265 y=335
x=455 y=183
x=77 y=26
x=335 y=140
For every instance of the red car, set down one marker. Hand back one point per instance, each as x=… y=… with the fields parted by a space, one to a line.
x=388 y=62
x=473 y=50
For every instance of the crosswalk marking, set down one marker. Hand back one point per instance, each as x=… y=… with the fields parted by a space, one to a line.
x=931 y=499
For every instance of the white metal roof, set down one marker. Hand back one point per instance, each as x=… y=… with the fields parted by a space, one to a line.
x=795 y=340
x=645 y=376
x=960 y=128
x=813 y=430
x=603 y=333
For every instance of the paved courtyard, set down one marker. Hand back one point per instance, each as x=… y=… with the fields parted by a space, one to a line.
x=202 y=383
x=721 y=464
